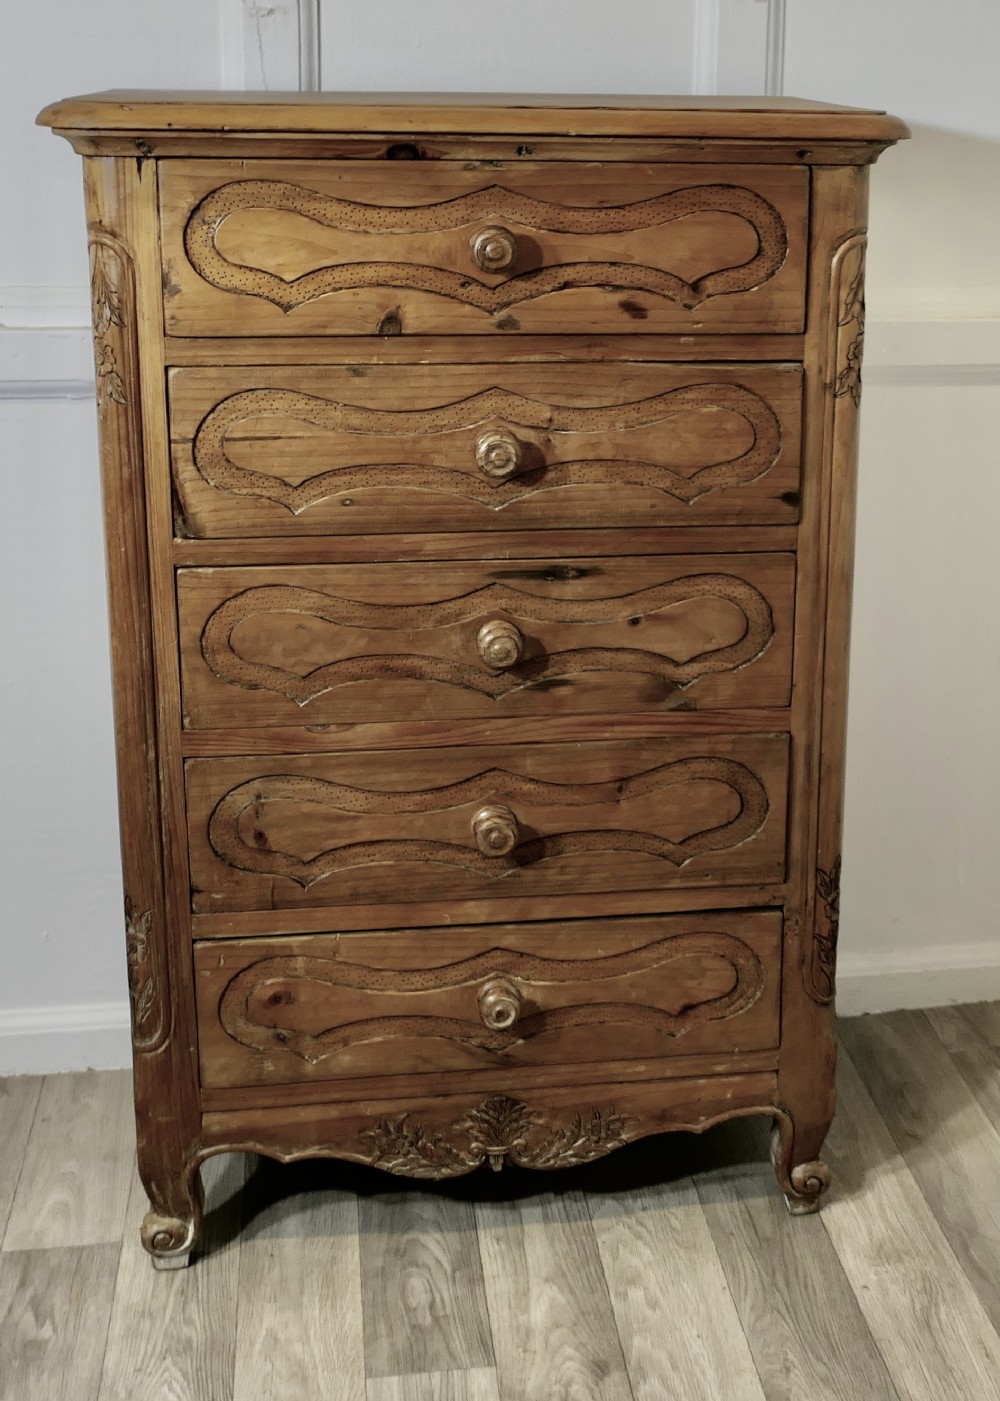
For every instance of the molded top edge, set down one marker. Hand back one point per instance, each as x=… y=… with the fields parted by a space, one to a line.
x=704 y=118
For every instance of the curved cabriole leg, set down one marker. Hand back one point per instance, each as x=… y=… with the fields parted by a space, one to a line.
x=171 y=1228
x=803 y=1183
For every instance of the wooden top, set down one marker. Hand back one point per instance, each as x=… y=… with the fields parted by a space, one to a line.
x=706 y=118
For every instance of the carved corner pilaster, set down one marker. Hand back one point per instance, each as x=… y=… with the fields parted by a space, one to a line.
x=147 y=995
x=843 y=351
x=116 y=363
x=112 y=285
x=826 y=927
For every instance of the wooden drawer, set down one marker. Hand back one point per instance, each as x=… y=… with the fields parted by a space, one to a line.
x=375 y=248
x=346 y=449
x=323 y=1007
x=336 y=643
x=498 y=822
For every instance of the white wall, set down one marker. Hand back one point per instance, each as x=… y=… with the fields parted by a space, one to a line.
x=921 y=881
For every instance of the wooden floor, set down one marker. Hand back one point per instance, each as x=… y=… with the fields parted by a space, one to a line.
x=669 y=1270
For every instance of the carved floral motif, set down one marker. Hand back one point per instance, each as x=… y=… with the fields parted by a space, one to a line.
x=498 y=1130
x=827 y=926
x=142 y=981
x=109 y=324
x=851 y=329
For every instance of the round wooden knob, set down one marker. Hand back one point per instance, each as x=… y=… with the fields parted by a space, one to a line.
x=499 y=1003
x=500 y=644
x=494 y=249
x=499 y=454
x=495 y=830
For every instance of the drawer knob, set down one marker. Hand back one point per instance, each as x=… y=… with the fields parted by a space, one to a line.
x=495 y=830
x=499 y=1003
x=500 y=644
x=494 y=249
x=499 y=454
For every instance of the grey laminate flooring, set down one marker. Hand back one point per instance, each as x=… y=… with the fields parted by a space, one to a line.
x=669 y=1270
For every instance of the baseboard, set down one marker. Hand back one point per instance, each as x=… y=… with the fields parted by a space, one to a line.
x=47 y=1040
x=934 y=976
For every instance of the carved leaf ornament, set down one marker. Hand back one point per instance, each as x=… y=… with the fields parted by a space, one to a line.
x=498 y=1130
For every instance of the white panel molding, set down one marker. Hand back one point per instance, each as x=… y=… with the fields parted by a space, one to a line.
x=55 y=353
x=705 y=49
x=741 y=55
x=48 y=1040
x=36 y=307
x=310 y=70
x=774 y=75
x=278 y=43
x=30 y=389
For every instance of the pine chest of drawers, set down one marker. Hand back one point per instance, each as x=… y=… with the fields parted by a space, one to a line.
x=478 y=478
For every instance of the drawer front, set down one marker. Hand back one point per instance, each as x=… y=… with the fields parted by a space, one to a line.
x=306 y=644
x=307 y=450
x=498 y=822
x=286 y=1010
x=374 y=248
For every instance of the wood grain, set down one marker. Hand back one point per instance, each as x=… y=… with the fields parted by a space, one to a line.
x=356 y=1005
x=553 y=1327
x=340 y=829
x=55 y=1305
x=343 y=643
x=651 y=248
x=958 y=1028
x=18 y=1103
x=673 y=1309
x=78 y=1163
x=422 y=1286
x=979 y=1067
x=921 y=1309
x=345 y=449
x=470 y=1384
x=802 y=1321
x=943 y=1133
x=522 y=114
x=174 y=1333
x=362 y=352
x=419 y=914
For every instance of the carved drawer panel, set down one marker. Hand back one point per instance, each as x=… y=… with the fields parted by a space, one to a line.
x=373 y=642
x=308 y=450
x=494 y=822
x=480 y=999
x=375 y=248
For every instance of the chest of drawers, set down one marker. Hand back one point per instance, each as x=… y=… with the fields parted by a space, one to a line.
x=478 y=477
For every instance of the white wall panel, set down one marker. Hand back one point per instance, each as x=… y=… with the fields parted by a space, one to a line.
x=58 y=47
x=629 y=46
x=61 y=909
x=935 y=200
x=921 y=872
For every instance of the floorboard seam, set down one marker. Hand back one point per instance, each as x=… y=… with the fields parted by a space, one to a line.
x=20 y=1166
